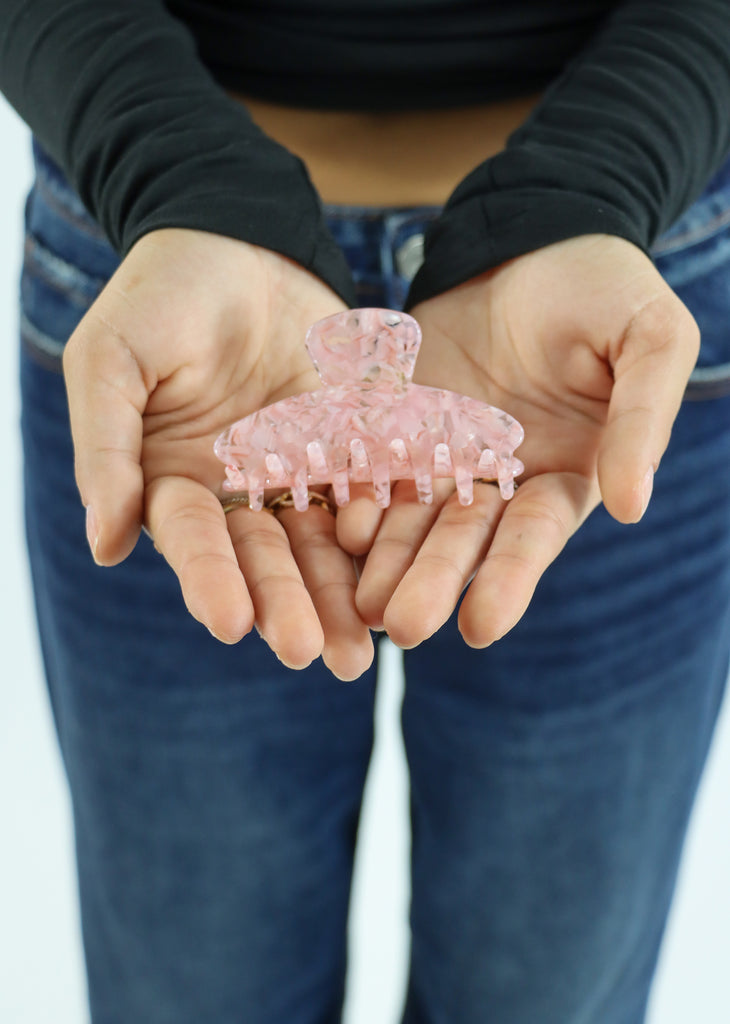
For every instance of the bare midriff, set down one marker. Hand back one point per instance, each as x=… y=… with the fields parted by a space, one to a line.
x=391 y=159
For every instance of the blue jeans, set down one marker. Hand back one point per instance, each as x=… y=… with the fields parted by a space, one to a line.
x=216 y=794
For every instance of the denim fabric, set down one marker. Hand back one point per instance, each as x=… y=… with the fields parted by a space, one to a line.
x=216 y=794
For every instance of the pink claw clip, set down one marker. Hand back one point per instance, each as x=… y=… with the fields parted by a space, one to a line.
x=369 y=422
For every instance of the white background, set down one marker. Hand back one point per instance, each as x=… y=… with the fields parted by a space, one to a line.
x=41 y=978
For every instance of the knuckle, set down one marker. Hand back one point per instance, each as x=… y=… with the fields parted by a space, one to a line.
x=259 y=537
x=399 y=546
x=183 y=521
x=529 y=521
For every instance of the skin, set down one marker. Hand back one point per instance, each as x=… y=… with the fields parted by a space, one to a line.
x=582 y=341
x=192 y=332
x=388 y=158
x=586 y=345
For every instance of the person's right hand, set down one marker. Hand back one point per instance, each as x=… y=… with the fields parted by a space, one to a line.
x=192 y=332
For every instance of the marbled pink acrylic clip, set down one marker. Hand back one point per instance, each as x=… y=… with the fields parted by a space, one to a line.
x=369 y=422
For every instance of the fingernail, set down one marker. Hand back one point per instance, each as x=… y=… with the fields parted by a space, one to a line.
x=647 y=485
x=92 y=531
x=290 y=664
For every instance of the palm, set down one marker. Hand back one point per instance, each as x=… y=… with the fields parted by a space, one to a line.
x=562 y=424
x=589 y=349
x=187 y=411
x=193 y=332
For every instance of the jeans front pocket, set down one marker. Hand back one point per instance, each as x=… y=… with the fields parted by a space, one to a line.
x=694 y=259
x=66 y=263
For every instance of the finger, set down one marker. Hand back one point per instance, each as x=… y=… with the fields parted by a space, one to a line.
x=449 y=555
x=404 y=527
x=190 y=530
x=535 y=526
x=106 y=397
x=285 y=615
x=329 y=575
x=358 y=521
x=657 y=356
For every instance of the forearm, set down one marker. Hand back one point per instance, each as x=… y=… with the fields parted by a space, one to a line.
x=622 y=143
x=119 y=97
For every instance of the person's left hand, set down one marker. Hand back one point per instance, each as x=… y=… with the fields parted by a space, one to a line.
x=586 y=345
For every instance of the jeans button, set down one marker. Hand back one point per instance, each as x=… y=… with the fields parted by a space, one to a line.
x=409 y=257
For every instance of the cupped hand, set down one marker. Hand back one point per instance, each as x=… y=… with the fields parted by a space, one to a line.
x=586 y=345
x=192 y=332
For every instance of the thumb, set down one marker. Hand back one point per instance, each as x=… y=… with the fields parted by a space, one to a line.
x=656 y=356
x=107 y=396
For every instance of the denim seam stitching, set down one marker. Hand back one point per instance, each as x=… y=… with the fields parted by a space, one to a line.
x=693 y=237
x=39 y=340
x=79 y=288
x=54 y=198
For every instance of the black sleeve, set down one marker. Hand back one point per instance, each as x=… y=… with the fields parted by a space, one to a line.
x=622 y=143
x=116 y=93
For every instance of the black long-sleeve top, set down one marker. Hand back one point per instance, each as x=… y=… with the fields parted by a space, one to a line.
x=129 y=98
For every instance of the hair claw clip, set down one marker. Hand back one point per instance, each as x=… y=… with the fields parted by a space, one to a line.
x=369 y=422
